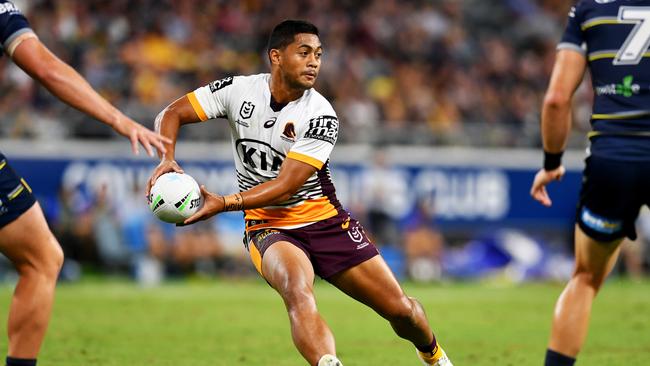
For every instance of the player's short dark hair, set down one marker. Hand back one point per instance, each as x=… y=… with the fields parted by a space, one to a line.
x=284 y=33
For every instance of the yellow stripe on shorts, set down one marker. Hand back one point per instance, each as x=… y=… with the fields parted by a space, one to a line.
x=2 y=164
x=256 y=257
x=26 y=185
x=13 y=194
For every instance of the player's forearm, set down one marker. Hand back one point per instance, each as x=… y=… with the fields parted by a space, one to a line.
x=266 y=194
x=293 y=175
x=167 y=124
x=64 y=82
x=556 y=122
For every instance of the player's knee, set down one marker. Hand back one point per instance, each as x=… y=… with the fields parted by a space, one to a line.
x=299 y=298
x=402 y=310
x=56 y=257
x=47 y=262
x=589 y=278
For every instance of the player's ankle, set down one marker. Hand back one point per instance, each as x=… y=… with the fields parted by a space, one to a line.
x=430 y=348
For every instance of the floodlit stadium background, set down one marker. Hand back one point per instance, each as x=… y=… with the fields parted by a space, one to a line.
x=439 y=103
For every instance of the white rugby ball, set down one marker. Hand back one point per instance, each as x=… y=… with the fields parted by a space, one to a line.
x=175 y=197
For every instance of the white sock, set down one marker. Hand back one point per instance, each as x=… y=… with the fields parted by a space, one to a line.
x=329 y=360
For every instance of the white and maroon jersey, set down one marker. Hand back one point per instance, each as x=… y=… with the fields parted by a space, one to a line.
x=264 y=133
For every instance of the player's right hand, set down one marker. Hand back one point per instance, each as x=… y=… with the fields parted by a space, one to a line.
x=212 y=205
x=542 y=179
x=165 y=166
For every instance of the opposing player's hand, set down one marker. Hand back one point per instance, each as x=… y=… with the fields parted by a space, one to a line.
x=542 y=179
x=212 y=205
x=165 y=166
x=138 y=134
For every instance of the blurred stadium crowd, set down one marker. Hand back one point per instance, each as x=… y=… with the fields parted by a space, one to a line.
x=469 y=72
x=427 y=72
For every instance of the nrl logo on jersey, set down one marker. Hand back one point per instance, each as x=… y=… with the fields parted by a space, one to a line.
x=220 y=84
x=246 y=110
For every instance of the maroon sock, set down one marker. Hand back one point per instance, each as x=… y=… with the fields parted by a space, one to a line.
x=429 y=348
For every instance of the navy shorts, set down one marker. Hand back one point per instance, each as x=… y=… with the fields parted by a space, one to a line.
x=15 y=195
x=332 y=245
x=612 y=194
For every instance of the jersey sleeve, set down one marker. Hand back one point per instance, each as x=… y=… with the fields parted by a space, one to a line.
x=315 y=145
x=211 y=101
x=13 y=25
x=573 y=37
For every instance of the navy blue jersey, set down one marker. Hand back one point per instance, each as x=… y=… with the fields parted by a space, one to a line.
x=12 y=24
x=614 y=36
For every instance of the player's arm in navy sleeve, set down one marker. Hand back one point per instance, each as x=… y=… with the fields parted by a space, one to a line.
x=567 y=75
x=568 y=72
x=21 y=44
x=66 y=84
x=573 y=38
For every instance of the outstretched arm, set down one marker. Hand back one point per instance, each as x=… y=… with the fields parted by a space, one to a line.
x=65 y=83
x=293 y=175
x=567 y=74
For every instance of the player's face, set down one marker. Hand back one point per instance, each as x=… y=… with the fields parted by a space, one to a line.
x=301 y=60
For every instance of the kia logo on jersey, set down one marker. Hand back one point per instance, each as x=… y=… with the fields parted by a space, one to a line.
x=246 y=110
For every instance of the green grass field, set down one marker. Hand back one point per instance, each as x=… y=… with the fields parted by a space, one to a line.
x=224 y=323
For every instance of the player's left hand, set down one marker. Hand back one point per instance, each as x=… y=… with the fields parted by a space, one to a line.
x=542 y=179
x=138 y=134
x=212 y=205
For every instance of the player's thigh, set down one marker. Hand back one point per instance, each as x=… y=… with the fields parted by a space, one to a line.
x=24 y=234
x=28 y=240
x=594 y=258
x=280 y=259
x=372 y=283
x=611 y=196
x=287 y=267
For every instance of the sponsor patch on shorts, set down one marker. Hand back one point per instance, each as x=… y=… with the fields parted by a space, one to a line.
x=599 y=223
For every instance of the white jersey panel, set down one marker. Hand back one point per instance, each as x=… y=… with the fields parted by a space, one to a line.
x=263 y=136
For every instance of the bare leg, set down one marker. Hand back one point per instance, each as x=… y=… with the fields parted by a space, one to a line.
x=37 y=256
x=291 y=274
x=594 y=261
x=373 y=284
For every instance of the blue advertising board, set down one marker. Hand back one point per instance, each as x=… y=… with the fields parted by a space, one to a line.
x=467 y=197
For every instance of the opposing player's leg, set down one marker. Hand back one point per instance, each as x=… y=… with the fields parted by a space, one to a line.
x=288 y=270
x=593 y=262
x=373 y=284
x=29 y=244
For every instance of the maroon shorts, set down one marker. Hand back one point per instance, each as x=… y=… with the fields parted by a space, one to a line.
x=332 y=245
